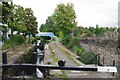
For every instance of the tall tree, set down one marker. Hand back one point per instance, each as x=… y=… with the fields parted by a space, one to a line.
x=30 y=22
x=20 y=18
x=5 y=12
x=48 y=26
x=64 y=17
x=8 y=16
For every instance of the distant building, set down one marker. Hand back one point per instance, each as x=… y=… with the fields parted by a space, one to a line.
x=6 y=33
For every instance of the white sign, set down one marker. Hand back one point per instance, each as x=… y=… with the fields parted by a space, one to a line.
x=107 y=69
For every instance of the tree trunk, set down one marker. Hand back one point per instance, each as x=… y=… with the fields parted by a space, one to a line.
x=24 y=37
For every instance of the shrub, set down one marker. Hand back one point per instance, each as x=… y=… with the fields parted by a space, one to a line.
x=88 y=58
x=18 y=39
x=73 y=42
x=7 y=44
x=49 y=63
x=31 y=39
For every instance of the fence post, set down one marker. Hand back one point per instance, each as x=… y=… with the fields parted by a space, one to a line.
x=4 y=61
x=98 y=59
x=4 y=57
x=113 y=66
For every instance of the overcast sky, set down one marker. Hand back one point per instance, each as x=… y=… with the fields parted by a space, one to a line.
x=89 y=12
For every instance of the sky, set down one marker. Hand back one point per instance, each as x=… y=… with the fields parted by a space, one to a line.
x=88 y=12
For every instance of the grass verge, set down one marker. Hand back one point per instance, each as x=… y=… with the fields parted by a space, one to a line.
x=52 y=55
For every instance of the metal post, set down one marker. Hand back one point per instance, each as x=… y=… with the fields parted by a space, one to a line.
x=4 y=61
x=98 y=59
x=34 y=57
x=4 y=57
x=113 y=66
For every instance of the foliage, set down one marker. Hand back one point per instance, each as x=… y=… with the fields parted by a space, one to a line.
x=49 y=63
x=30 y=22
x=88 y=58
x=92 y=31
x=48 y=26
x=85 y=57
x=64 y=17
x=31 y=39
x=7 y=44
x=73 y=42
x=78 y=50
x=18 y=39
x=65 y=39
x=77 y=31
x=20 y=14
x=18 y=19
x=61 y=22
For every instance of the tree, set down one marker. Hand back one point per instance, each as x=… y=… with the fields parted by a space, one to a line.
x=8 y=16
x=30 y=23
x=18 y=19
x=48 y=26
x=92 y=30
x=64 y=19
x=77 y=31
x=5 y=12
x=20 y=14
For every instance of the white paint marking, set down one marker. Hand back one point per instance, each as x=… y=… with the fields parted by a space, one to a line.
x=77 y=74
x=69 y=74
x=76 y=71
x=74 y=74
x=85 y=73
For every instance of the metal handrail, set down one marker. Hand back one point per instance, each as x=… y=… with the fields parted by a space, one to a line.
x=80 y=68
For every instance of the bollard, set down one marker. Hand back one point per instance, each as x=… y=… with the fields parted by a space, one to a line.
x=61 y=63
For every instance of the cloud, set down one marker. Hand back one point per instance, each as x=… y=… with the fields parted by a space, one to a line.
x=89 y=12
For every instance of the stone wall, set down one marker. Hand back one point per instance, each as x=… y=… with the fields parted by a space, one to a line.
x=106 y=49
